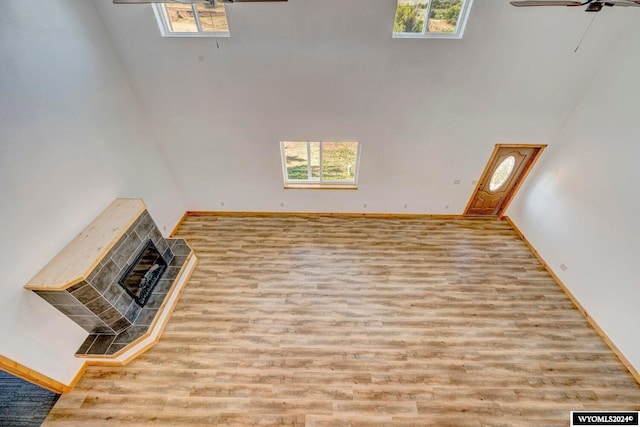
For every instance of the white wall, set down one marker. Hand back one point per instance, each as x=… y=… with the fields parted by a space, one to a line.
x=580 y=207
x=72 y=138
x=427 y=112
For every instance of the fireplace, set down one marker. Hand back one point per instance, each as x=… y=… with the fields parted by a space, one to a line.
x=118 y=279
x=105 y=295
x=141 y=277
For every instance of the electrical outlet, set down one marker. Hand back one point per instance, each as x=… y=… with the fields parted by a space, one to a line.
x=456 y=181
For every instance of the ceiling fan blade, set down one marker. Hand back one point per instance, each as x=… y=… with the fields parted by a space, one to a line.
x=530 y=3
x=622 y=3
x=156 y=1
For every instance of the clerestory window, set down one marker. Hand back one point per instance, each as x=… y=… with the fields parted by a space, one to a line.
x=192 y=19
x=431 y=18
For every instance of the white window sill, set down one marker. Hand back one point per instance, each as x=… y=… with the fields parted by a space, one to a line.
x=219 y=35
x=307 y=186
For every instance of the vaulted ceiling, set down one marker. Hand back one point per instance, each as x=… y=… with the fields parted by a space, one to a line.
x=426 y=111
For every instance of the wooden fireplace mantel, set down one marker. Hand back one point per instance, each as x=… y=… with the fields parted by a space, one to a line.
x=76 y=261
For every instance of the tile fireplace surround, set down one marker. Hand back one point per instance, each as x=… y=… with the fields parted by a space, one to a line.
x=82 y=281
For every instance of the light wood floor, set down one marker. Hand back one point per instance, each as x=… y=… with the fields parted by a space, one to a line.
x=358 y=321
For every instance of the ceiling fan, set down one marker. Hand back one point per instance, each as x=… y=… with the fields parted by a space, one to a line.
x=211 y=3
x=591 y=5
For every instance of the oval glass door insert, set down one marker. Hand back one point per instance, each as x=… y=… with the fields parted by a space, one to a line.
x=502 y=173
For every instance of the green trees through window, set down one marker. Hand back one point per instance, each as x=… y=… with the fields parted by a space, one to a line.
x=443 y=16
x=408 y=18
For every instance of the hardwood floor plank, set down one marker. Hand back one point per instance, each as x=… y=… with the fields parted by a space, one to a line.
x=323 y=321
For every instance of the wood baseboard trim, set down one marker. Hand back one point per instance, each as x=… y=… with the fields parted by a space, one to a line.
x=577 y=303
x=180 y=221
x=323 y=214
x=27 y=374
x=79 y=375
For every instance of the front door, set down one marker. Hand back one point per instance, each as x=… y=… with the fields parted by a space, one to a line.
x=503 y=175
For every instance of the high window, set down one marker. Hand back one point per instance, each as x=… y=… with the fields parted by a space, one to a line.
x=192 y=20
x=431 y=18
x=320 y=164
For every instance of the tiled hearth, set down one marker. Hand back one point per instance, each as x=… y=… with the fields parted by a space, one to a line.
x=84 y=280
x=108 y=344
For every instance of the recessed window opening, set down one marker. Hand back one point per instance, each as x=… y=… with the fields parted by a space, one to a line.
x=502 y=173
x=431 y=18
x=308 y=164
x=191 y=19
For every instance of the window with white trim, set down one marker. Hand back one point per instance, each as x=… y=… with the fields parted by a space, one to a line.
x=320 y=164
x=192 y=19
x=431 y=18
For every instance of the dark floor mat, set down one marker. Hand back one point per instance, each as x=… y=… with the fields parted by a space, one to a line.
x=23 y=404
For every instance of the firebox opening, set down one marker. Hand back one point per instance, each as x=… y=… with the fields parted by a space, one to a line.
x=144 y=273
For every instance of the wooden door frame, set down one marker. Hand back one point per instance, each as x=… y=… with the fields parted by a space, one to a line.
x=487 y=169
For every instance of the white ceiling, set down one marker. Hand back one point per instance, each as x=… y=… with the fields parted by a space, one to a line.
x=426 y=111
